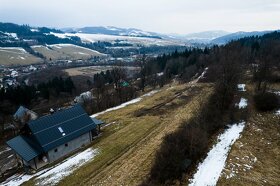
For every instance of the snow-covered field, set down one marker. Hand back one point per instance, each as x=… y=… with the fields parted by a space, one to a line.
x=209 y=170
x=91 y=38
x=125 y=104
x=51 y=176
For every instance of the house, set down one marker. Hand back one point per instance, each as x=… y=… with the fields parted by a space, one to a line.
x=51 y=137
x=24 y=115
x=85 y=96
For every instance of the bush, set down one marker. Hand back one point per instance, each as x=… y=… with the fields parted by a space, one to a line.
x=266 y=101
x=178 y=151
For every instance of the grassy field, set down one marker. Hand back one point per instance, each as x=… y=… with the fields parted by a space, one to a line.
x=16 y=56
x=90 y=71
x=255 y=158
x=66 y=52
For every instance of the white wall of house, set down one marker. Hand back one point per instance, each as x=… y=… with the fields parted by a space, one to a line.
x=69 y=147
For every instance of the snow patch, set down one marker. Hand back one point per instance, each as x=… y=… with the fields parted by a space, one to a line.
x=6 y=150
x=34 y=30
x=54 y=175
x=203 y=74
x=242 y=104
x=278 y=112
x=241 y=87
x=125 y=104
x=209 y=170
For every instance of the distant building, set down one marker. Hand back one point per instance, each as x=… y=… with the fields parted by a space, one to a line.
x=54 y=136
x=23 y=115
x=85 y=96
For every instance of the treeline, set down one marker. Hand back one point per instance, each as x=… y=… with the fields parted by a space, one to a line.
x=181 y=150
x=24 y=95
x=110 y=88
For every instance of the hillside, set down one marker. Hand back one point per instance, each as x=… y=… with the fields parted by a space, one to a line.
x=10 y=56
x=66 y=51
x=110 y=30
x=235 y=36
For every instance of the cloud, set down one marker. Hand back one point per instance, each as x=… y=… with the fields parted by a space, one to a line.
x=176 y=16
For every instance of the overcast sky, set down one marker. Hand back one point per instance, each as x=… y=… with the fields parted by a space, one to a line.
x=165 y=16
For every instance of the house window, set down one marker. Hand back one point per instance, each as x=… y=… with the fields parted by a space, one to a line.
x=66 y=144
x=55 y=150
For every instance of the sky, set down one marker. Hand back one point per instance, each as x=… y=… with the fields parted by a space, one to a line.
x=163 y=16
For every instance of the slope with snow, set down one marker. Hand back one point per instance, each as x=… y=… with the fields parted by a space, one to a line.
x=16 y=56
x=66 y=51
x=52 y=175
x=91 y=38
x=209 y=170
x=125 y=104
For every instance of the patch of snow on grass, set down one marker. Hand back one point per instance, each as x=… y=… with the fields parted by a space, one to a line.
x=125 y=104
x=209 y=170
x=6 y=150
x=278 y=112
x=17 y=179
x=277 y=93
x=54 y=175
x=241 y=87
x=203 y=73
x=242 y=104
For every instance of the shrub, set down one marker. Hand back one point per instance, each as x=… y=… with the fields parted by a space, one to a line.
x=266 y=101
x=177 y=152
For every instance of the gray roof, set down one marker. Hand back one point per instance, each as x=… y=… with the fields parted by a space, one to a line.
x=59 y=128
x=97 y=122
x=20 y=112
x=24 y=147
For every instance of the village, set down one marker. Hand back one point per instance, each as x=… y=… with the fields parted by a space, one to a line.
x=9 y=74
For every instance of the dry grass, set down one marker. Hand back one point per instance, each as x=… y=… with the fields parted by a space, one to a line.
x=128 y=146
x=66 y=52
x=13 y=56
x=255 y=158
x=86 y=71
x=91 y=70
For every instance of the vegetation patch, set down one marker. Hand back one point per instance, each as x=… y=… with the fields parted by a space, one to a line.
x=266 y=101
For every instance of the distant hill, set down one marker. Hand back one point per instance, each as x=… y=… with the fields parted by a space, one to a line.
x=110 y=30
x=205 y=37
x=13 y=35
x=238 y=35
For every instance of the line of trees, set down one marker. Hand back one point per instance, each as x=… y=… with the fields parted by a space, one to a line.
x=24 y=95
